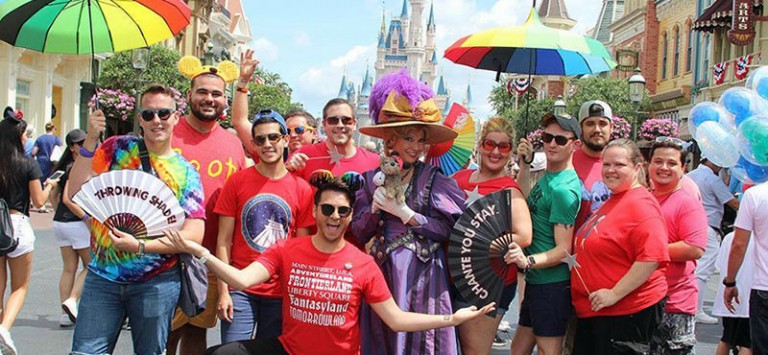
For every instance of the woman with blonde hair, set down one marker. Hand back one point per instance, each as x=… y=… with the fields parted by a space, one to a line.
x=494 y=152
x=409 y=234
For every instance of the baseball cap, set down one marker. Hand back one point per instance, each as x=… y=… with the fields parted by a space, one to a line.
x=267 y=114
x=75 y=136
x=565 y=121
x=595 y=108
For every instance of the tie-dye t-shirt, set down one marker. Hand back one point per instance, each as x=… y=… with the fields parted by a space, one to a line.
x=122 y=152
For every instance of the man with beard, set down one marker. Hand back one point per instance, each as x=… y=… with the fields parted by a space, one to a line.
x=216 y=156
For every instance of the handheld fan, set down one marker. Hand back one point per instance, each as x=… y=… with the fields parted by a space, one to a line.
x=132 y=201
x=454 y=155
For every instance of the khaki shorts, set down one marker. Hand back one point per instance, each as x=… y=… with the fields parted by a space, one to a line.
x=208 y=318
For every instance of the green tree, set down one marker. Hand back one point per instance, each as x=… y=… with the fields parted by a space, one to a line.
x=614 y=91
x=271 y=93
x=118 y=72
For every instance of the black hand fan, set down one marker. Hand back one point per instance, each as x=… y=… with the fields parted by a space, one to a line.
x=479 y=240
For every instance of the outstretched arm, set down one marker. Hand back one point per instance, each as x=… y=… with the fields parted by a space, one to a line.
x=240 y=121
x=401 y=321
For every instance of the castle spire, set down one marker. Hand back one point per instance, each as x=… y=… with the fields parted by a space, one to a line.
x=431 y=21
x=404 y=13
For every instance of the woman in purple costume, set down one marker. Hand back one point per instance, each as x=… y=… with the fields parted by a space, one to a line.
x=408 y=237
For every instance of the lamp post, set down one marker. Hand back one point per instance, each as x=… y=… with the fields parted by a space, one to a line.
x=139 y=61
x=636 y=92
x=208 y=56
x=559 y=106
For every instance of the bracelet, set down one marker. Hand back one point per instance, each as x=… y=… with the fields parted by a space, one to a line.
x=203 y=258
x=142 y=247
x=85 y=153
x=244 y=90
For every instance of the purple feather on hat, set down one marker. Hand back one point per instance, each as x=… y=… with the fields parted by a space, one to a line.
x=404 y=85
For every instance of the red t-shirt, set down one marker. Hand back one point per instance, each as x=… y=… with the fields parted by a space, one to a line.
x=593 y=191
x=485 y=188
x=216 y=155
x=628 y=227
x=686 y=221
x=265 y=211
x=323 y=295
x=361 y=162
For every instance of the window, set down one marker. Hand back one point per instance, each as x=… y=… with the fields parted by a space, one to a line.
x=664 y=56
x=689 y=49
x=676 y=60
x=23 y=95
x=706 y=56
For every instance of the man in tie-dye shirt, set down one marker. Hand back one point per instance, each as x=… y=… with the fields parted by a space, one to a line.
x=135 y=276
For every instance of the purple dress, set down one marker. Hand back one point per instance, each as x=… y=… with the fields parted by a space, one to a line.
x=412 y=260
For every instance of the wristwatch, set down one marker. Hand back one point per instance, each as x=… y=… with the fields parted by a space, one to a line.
x=85 y=153
x=729 y=284
x=531 y=262
x=203 y=258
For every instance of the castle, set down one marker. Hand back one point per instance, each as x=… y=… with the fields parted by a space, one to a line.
x=407 y=43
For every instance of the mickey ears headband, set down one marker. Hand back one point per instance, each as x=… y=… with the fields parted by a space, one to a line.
x=191 y=67
x=353 y=179
x=8 y=113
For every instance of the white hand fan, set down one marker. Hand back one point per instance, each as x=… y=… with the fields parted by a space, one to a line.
x=132 y=201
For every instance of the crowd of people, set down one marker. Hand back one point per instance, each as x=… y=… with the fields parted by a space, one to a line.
x=308 y=253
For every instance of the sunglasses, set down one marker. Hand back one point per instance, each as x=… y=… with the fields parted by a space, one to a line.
x=300 y=130
x=273 y=138
x=560 y=140
x=334 y=120
x=149 y=114
x=676 y=141
x=490 y=145
x=328 y=210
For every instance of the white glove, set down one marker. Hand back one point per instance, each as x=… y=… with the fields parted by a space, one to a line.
x=390 y=205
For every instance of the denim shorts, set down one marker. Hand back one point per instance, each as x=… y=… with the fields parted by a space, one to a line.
x=547 y=308
x=253 y=316
x=758 y=321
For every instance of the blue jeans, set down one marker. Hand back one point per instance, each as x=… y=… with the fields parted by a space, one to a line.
x=251 y=311
x=104 y=305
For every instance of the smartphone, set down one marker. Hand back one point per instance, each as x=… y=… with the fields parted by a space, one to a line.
x=56 y=174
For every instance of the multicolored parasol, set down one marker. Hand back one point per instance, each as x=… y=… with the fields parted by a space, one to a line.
x=531 y=48
x=453 y=156
x=90 y=26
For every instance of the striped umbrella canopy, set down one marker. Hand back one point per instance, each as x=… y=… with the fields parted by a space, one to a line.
x=90 y=26
x=531 y=48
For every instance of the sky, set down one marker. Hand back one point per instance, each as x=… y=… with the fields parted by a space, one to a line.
x=311 y=43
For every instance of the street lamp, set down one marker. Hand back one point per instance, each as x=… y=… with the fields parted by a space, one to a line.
x=139 y=61
x=636 y=93
x=208 y=56
x=559 y=106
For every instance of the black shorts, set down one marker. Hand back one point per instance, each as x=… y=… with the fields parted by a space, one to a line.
x=507 y=295
x=546 y=308
x=736 y=332
x=266 y=346
x=609 y=335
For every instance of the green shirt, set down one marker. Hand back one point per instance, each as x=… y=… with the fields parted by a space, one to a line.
x=555 y=199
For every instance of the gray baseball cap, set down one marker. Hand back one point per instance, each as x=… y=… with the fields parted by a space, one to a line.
x=595 y=108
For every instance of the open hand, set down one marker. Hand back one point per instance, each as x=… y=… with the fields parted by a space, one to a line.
x=729 y=295
x=248 y=64
x=467 y=313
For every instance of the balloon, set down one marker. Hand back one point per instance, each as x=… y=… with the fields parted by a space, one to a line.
x=707 y=111
x=756 y=173
x=742 y=103
x=739 y=171
x=752 y=139
x=718 y=144
x=758 y=81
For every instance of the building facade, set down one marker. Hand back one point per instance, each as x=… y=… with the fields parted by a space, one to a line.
x=634 y=41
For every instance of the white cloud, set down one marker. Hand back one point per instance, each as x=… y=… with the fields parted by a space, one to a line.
x=320 y=83
x=301 y=39
x=267 y=51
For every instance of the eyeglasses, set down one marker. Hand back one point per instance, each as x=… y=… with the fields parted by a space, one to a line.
x=560 y=140
x=273 y=138
x=328 y=209
x=490 y=145
x=149 y=114
x=300 y=130
x=676 y=141
x=334 y=120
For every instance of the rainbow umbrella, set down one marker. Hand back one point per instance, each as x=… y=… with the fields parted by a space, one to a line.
x=454 y=155
x=531 y=48
x=90 y=26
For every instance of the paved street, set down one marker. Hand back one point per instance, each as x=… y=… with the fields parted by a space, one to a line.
x=37 y=328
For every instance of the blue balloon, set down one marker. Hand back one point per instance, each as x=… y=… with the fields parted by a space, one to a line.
x=705 y=112
x=742 y=103
x=718 y=144
x=758 y=81
x=756 y=173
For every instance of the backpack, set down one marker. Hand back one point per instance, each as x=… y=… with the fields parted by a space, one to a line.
x=7 y=242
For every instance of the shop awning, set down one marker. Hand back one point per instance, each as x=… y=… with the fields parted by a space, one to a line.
x=718 y=15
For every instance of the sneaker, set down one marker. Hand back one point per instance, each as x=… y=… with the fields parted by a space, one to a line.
x=499 y=343
x=6 y=343
x=126 y=325
x=64 y=321
x=70 y=309
x=505 y=327
x=704 y=318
